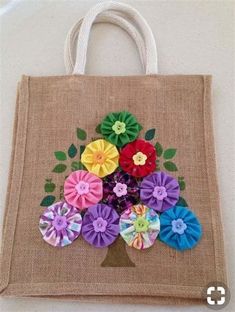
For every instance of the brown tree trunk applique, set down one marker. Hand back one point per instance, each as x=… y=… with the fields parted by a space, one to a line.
x=117 y=255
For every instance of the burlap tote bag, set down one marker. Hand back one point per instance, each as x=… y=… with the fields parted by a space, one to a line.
x=133 y=158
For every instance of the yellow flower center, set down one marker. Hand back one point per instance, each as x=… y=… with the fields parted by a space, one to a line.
x=119 y=127
x=139 y=159
x=99 y=157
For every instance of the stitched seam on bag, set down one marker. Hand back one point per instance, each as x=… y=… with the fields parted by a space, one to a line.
x=11 y=219
x=210 y=153
x=9 y=186
x=68 y=288
x=206 y=162
x=13 y=144
x=92 y=77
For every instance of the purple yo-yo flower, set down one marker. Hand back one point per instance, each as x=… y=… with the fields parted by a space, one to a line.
x=120 y=190
x=60 y=224
x=159 y=191
x=100 y=225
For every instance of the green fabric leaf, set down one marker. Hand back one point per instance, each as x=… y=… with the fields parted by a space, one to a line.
x=159 y=149
x=157 y=165
x=72 y=151
x=170 y=166
x=59 y=168
x=75 y=165
x=98 y=129
x=47 y=201
x=49 y=187
x=182 y=185
x=82 y=148
x=169 y=153
x=81 y=166
x=81 y=134
x=150 y=134
x=182 y=202
x=59 y=155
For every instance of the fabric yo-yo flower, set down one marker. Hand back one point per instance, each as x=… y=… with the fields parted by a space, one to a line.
x=139 y=226
x=159 y=191
x=100 y=225
x=138 y=158
x=120 y=128
x=120 y=190
x=180 y=228
x=100 y=157
x=83 y=189
x=60 y=224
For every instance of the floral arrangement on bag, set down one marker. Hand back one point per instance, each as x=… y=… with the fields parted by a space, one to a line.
x=118 y=190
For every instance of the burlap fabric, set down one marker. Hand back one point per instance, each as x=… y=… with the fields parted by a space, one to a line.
x=49 y=109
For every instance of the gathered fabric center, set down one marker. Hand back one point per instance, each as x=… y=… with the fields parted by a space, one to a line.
x=178 y=226
x=119 y=127
x=99 y=158
x=82 y=188
x=100 y=225
x=141 y=225
x=139 y=159
x=60 y=223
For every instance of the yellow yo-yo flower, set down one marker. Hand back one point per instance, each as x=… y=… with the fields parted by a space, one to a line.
x=100 y=157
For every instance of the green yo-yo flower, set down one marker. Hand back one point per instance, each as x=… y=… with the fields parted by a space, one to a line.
x=120 y=128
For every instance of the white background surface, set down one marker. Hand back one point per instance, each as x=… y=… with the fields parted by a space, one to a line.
x=193 y=37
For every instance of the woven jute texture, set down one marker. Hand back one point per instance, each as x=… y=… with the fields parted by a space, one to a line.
x=48 y=111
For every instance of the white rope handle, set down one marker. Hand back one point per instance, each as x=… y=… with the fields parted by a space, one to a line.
x=82 y=43
x=104 y=17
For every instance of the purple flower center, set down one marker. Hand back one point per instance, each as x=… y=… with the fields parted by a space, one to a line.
x=82 y=187
x=178 y=226
x=159 y=192
x=100 y=225
x=59 y=222
x=120 y=189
